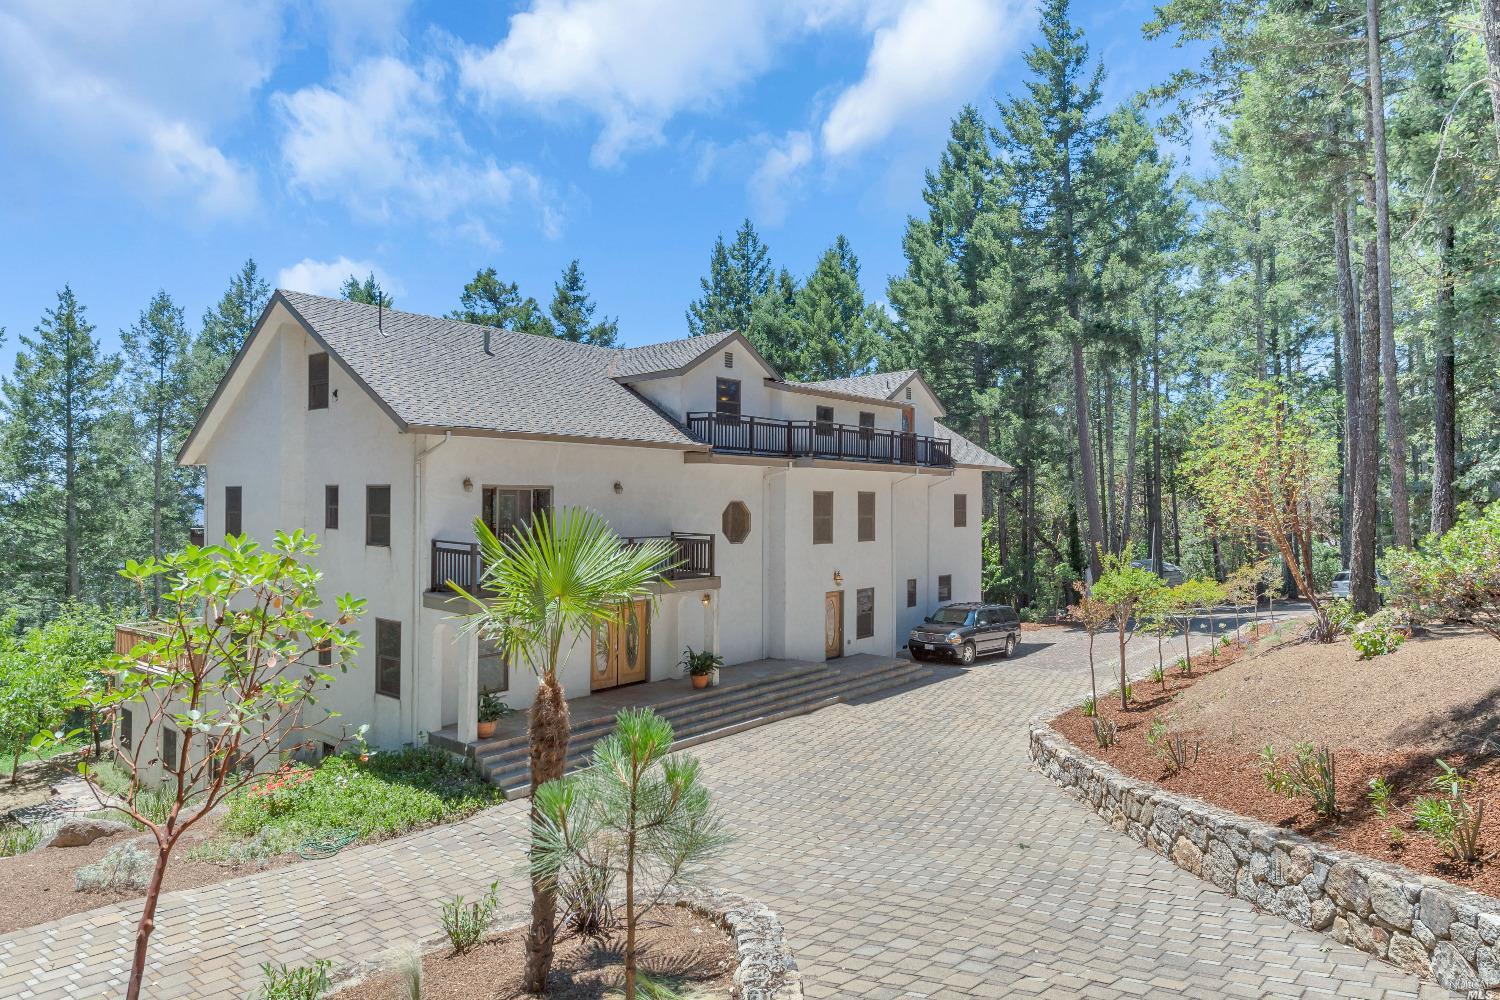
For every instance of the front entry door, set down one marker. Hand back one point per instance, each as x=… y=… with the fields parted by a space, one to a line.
x=622 y=648
x=833 y=624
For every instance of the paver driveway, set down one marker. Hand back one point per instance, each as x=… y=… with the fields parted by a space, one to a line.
x=907 y=844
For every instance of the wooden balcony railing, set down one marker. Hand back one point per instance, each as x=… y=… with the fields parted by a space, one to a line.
x=817 y=439
x=460 y=562
x=128 y=635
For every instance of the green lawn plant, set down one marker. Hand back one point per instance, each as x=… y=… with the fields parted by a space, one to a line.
x=639 y=811
x=233 y=669
x=551 y=583
x=1125 y=590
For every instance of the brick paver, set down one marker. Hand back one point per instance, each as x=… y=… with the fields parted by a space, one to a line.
x=906 y=843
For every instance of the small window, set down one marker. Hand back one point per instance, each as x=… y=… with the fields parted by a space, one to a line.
x=494 y=668
x=945 y=588
x=736 y=522
x=125 y=731
x=727 y=397
x=728 y=359
x=822 y=519
x=507 y=510
x=317 y=381
x=908 y=392
x=388 y=657
x=169 y=748
x=378 y=515
x=330 y=507
x=233 y=513
x=864 y=613
x=867 y=517
x=960 y=510
x=825 y=419
x=866 y=425
x=911 y=592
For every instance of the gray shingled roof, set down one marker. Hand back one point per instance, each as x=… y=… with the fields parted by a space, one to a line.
x=966 y=452
x=667 y=356
x=434 y=372
x=881 y=385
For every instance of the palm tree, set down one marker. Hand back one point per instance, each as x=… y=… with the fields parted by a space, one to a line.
x=551 y=583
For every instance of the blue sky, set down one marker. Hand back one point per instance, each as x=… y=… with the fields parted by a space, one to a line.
x=159 y=145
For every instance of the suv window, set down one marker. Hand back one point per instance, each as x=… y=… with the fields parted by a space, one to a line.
x=950 y=616
x=1005 y=613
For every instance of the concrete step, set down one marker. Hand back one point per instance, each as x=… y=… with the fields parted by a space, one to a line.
x=511 y=770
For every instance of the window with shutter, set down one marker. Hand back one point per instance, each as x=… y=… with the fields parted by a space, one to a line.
x=867 y=517
x=822 y=526
x=330 y=507
x=960 y=510
x=945 y=588
x=911 y=592
x=233 y=513
x=864 y=613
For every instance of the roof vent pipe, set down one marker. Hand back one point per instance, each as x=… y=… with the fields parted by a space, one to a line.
x=487 y=341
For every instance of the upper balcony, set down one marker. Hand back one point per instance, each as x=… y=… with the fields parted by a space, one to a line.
x=459 y=562
x=745 y=435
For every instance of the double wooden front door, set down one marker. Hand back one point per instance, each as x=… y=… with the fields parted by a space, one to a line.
x=833 y=624
x=621 y=650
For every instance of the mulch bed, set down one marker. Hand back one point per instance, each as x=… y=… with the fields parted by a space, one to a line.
x=1227 y=771
x=673 y=944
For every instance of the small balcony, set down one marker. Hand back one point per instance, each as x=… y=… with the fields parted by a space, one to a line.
x=742 y=435
x=459 y=562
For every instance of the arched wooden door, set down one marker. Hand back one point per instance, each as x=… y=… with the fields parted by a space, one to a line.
x=833 y=624
x=621 y=650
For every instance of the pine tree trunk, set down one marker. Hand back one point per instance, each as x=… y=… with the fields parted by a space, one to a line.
x=1443 y=424
x=1112 y=502
x=1158 y=534
x=1275 y=336
x=70 y=483
x=1395 y=431
x=1087 y=472
x=1130 y=434
x=549 y=732
x=1257 y=258
x=1366 y=469
x=1490 y=12
x=1349 y=318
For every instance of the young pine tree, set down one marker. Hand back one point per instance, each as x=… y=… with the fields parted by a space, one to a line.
x=573 y=312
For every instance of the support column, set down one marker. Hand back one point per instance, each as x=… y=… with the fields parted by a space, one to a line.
x=710 y=621
x=468 y=686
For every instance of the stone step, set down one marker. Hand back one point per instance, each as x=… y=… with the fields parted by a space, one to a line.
x=511 y=772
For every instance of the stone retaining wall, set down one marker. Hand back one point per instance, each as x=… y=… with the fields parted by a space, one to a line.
x=1421 y=924
x=766 y=969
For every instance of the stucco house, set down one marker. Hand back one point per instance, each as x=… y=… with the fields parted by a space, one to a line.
x=812 y=520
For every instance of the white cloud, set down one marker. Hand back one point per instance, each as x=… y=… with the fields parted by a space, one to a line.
x=380 y=140
x=324 y=277
x=633 y=64
x=140 y=89
x=772 y=182
x=929 y=59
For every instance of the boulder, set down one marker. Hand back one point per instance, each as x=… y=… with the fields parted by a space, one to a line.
x=80 y=831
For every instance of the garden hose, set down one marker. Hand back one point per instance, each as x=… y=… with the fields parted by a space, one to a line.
x=326 y=845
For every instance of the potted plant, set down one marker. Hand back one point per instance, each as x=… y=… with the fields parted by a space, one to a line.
x=700 y=665
x=491 y=711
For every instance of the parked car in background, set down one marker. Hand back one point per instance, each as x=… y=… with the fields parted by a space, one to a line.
x=1171 y=573
x=965 y=632
x=1340 y=586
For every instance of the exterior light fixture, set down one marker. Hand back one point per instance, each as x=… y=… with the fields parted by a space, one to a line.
x=706 y=599
x=619 y=487
x=468 y=485
x=838 y=578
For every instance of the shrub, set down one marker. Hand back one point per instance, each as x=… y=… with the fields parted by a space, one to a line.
x=584 y=890
x=1343 y=616
x=1171 y=747
x=1090 y=707
x=1452 y=819
x=124 y=866
x=1311 y=775
x=1378 y=635
x=466 y=923
x=23 y=839
x=1105 y=732
x=302 y=982
x=1159 y=675
x=1455 y=577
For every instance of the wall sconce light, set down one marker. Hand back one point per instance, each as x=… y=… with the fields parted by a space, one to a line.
x=619 y=487
x=468 y=485
x=838 y=578
x=706 y=599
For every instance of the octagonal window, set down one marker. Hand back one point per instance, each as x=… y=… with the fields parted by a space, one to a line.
x=736 y=522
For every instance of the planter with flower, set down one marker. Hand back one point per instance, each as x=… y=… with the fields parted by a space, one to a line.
x=491 y=711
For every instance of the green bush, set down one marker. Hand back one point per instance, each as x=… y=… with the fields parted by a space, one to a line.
x=303 y=982
x=124 y=866
x=1310 y=775
x=1452 y=578
x=1344 y=616
x=466 y=923
x=1381 y=633
x=382 y=795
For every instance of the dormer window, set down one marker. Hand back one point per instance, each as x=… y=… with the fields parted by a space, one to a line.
x=728 y=359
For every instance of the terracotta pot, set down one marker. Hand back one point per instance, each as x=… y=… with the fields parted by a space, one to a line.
x=487 y=729
x=700 y=680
